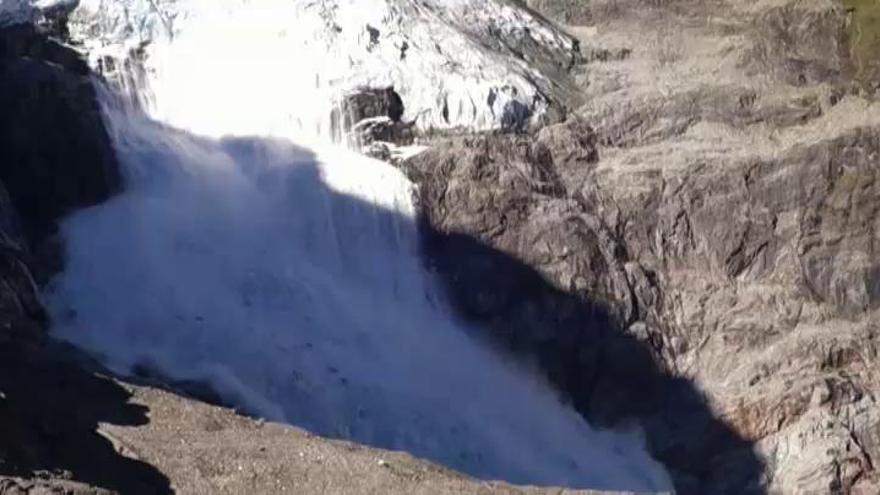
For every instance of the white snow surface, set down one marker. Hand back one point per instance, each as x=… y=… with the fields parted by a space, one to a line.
x=457 y=63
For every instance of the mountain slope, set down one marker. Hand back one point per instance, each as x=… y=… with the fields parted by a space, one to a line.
x=716 y=194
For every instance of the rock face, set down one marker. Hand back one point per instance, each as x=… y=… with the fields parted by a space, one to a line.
x=367 y=103
x=55 y=156
x=709 y=216
x=563 y=11
x=65 y=425
x=51 y=126
x=701 y=234
x=583 y=314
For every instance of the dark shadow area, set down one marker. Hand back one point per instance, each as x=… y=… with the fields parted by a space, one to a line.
x=54 y=399
x=609 y=376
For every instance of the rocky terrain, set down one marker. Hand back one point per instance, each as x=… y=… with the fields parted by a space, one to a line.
x=708 y=213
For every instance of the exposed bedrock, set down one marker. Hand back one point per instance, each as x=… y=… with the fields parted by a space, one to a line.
x=715 y=199
x=587 y=313
x=758 y=280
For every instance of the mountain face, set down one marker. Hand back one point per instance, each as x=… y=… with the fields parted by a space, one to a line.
x=714 y=203
x=672 y=217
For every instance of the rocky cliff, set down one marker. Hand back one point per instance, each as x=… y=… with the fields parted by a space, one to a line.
x=709 y=214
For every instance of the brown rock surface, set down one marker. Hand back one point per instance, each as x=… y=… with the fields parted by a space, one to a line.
x=694 y=249
x=714 y=201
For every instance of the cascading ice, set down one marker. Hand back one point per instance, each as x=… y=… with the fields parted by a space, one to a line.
x=467 y=64
x=288 y=277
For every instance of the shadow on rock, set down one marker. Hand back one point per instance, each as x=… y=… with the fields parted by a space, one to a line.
x=55 y=156
x=53 y=401
x=609 y=375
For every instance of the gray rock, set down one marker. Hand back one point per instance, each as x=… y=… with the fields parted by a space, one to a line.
x=563 y=11
x=368 y=103
x=382 y=129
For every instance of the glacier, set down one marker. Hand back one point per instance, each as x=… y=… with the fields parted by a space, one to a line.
x=457 y=64
x=251 y=253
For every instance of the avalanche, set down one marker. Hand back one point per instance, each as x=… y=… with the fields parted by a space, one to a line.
x=288 y=276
